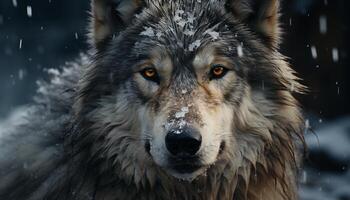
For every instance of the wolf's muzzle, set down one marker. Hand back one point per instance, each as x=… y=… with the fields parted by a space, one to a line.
x=183 y=143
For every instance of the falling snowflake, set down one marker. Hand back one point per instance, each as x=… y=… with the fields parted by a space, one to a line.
x=335 y=55
x=240 y=51
x=21 y=74
x=14 y=2
x=29 y=11
x=323 y=24
x=313 y=52
x=20 y=43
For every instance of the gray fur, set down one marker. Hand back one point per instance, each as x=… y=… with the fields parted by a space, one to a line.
x=84 y=138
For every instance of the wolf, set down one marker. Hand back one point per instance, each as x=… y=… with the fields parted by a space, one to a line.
x=185 y=99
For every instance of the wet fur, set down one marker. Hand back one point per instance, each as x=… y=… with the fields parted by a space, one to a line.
x=80 y=140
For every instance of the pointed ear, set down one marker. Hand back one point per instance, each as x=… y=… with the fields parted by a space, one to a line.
x=109 y=17
x=261 y=15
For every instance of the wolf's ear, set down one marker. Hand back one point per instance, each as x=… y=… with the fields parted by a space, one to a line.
x=111 y=16
x=261 y=15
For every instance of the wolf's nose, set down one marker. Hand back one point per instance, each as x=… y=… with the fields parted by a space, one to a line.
x=185 y=142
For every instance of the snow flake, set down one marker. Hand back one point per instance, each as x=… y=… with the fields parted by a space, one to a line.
x=14 y=2
x=181 y=124
x=177 y=125
x=304 y=177
x=323 y=24
x=178 y=18
x=148 y=32
x=194 y=45
x=314 y=52
x=307 y=124
x=240 y=50
x=182 y=113
x=178 y=131
x=20 y=43
x=29 y=11
x=21 y=74
x=184 y=109
x=169 y=124
x=215 y=35
x=335 y=55
x=189 y=32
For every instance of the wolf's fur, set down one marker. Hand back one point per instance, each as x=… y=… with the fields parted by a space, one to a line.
x=86 y=135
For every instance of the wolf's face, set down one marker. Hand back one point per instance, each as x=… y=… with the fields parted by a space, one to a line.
x=189 y=100
x=177 y=74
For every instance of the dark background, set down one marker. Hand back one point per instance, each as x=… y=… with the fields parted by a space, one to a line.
x=327 y=79
x=48 y=41
x=55 y=34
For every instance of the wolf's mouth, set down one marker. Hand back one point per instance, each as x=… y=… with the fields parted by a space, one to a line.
x=186 y=168
x=185 y=164
x=191 y=164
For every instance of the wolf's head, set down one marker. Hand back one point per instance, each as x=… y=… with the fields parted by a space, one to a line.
x=185 y=86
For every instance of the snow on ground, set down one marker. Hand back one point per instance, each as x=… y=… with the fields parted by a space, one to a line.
x=333 y=139
x=325 y=185
x=327 y=174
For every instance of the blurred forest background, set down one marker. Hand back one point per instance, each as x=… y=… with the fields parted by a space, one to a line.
x=41 y=34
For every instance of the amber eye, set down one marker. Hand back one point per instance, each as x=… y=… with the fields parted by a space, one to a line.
x=218 y=71
x=150 y=74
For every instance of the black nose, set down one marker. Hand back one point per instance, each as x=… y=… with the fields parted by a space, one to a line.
x=185 y=142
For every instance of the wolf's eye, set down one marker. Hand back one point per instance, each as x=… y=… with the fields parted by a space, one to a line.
x=150 y=74
x=218 y=71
